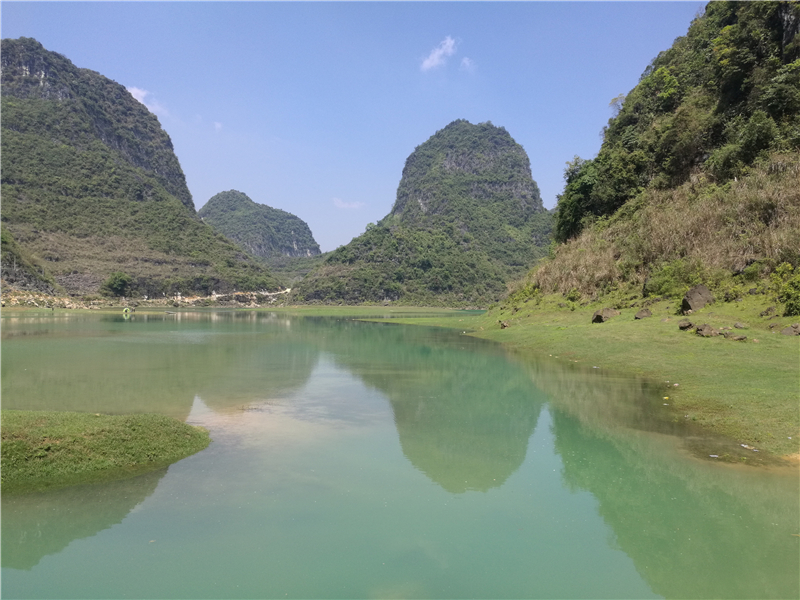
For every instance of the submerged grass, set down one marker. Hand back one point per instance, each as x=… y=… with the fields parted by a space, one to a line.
x=47 y=449
x=745 y=390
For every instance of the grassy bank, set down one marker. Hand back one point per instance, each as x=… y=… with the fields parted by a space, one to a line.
x=747 y=390
x=42 y=449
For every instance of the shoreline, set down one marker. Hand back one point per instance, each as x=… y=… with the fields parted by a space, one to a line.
x=748 y=391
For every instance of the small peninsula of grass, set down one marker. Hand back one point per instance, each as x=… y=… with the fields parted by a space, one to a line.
x=45 y=449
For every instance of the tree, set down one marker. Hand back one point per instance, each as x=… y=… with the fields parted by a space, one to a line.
x=117 y=284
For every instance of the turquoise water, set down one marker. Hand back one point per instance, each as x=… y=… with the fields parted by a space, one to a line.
x=365 y=460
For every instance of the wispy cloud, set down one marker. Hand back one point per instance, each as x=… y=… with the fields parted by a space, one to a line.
x=341 y=204
x=439 y=55
x=467 y=64
x=153 y=106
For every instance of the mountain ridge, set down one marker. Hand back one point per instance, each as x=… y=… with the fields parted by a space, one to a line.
x=91 y=186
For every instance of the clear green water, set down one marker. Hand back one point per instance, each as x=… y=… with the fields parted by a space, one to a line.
x=362 y=460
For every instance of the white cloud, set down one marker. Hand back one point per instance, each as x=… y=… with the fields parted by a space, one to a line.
x=217 y=126
x=440 y=54
x=153 y=106
x=346 y=205
x=467 y=64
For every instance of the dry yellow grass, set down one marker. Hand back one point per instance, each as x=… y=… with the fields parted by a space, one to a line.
x=721 y=229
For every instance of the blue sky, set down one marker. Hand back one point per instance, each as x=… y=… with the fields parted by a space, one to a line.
x=313 y=107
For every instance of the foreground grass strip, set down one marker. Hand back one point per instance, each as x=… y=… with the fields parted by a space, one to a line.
x=44 y=449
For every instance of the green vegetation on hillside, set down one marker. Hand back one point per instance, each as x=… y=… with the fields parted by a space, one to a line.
x=696 y=180
x=91 y=185
x=261 y=230
x=467 y=218
x=720 y=99
x=43 y=450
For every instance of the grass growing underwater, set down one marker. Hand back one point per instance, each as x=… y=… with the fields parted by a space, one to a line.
x=47 y=449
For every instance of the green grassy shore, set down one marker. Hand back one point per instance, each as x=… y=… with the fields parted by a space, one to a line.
x=745 y=390
x=46 y=450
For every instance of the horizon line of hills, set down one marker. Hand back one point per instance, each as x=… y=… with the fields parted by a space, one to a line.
x=95 y=200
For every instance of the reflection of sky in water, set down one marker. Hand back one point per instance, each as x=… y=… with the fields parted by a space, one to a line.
x=364 y=460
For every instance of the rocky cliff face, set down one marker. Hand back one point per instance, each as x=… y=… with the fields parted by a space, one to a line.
x=107 y=110
x=261 y=230
x=466 y=164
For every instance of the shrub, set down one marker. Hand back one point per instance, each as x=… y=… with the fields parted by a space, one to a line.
x=117 y=284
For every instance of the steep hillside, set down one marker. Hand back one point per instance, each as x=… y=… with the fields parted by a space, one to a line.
x=261 y=230
x=696 y=180
x=467 y=218
x=91 y=186
x=723 y=97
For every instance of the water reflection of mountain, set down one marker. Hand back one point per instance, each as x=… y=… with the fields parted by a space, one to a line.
x=463 y=412
x=155 y=363
x=35 y=525
x=694 y=529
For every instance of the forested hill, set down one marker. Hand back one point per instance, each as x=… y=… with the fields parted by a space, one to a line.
x=721 y=98
x=91 y=186
x=261 y=230
x=696 y=179
x=467 y=218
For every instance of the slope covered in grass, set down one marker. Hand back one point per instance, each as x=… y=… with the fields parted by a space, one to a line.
x=696 y=179
x=91 y=185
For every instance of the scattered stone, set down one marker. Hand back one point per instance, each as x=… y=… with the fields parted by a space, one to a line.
x=603 y=315
x=685 y=324
x=643 y=314
x=767 y=312
x=791 y=330
x=696 y=298
x=740 y=326
x=706 y=330
x=752 y=291
x=504 y=324
x=739 y=338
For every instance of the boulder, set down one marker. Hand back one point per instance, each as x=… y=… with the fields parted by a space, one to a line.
x=504 y=324
x=696 y=298
x=685 y=324
x=791 y=330
x=603 y=315
x=643 y=314
x=739 y=338
x=740 y=326
x=767 y=312
x=706 y=330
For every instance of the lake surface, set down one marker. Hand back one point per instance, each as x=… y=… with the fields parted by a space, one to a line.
x=371 y=460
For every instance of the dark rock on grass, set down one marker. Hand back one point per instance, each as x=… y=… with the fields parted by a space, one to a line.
x=767 y=311
x=696 y=298
x=740 y=326
x=739 y=338
x=603 y=315
x=791 y=330
x=504 y=324
x=752 y=291
x=685 y=324
x=643 y=314
x=706 y=330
